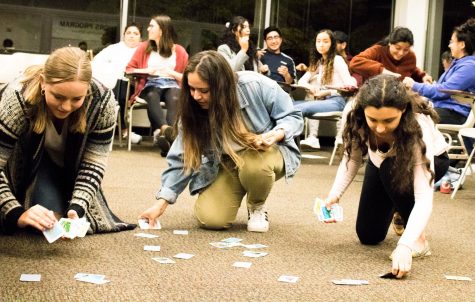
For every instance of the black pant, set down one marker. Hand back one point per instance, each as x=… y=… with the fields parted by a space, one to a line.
x=49 y=190
x=153 y=96
x=448 y=116
x=378 y=200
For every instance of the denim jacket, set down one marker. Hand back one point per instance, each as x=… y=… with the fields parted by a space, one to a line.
x=265 y=106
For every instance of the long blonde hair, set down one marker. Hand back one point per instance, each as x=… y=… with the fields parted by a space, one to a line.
x=63 y=65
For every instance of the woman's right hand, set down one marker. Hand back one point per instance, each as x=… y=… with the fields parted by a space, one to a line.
x=38 y=217
x=329 y=201
x=244 y=43
x=154 y=211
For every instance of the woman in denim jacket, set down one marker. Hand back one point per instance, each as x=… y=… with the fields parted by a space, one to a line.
x=235 y=137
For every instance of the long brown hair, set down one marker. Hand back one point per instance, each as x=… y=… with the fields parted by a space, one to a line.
x=317 y=59
x=388 y=91
x=219 y=127
x=167 y=40
x=63 y=65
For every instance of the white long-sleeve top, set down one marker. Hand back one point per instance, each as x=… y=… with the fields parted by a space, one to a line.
x=109 y=65
x=341 y=76
x=423 y=191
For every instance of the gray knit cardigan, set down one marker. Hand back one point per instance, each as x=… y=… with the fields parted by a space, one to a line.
x=85 y=159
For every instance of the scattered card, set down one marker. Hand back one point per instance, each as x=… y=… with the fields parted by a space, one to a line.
x=254 y=254
x=164 y=260
x=91 y=278
x=254 y=246
x=144 y=225
x=54 y=233
x=180 y=232
x=145 y=235
x=350 y=282
x=288 y=279
x=458 y=278
x=242 y=264
x=152 y=248
x=224 y=245
x=183 y=256
x=30 y=277
x=231 y=240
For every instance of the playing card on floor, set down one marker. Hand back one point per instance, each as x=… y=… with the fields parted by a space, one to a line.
x=242 y=264
x=145 y=235
x=288 y=279
x=152 y=248
x=183 y=256
x=30 y=277
x=180 y=232
x=350 y=282
x=254 y=254
x=163 y=260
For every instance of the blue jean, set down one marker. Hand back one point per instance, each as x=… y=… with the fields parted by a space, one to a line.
x=331 y=103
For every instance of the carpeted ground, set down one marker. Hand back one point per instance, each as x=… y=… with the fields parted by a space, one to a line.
x=298 y=245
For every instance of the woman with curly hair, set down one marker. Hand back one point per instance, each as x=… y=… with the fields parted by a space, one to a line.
x=237 y=46
x=235 y=138
x=406 y=154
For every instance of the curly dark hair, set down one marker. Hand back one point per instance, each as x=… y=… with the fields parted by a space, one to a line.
x=388 y=91
x=229 y=38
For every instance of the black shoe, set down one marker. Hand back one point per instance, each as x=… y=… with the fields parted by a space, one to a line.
x=168 y=133
x=164 y=145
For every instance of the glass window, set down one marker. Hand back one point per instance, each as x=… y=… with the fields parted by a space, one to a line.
x=365 y=22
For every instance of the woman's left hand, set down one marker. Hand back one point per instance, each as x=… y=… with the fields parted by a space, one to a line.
x=402 y=261
x=321 y=94
x=269 y=138
x=72 y=214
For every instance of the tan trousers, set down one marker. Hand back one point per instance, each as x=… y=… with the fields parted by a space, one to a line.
x=217 y=206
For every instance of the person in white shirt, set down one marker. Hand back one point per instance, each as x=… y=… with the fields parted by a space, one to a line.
x=406 y=154
x=108 y=66
x=326 y=69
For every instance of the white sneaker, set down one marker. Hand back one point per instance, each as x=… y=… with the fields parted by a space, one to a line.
x=311 y=142
x=257 y=220
x=135 y=138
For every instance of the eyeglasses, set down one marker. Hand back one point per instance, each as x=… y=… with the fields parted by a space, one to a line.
x=272 y=38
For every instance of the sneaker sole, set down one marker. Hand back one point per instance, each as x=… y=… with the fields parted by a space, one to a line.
x=257 y=230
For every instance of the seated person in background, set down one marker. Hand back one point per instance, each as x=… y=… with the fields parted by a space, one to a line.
x=459 y=76
x=325 y=68
x=69 y=127
x=446 y=59
x=108 y=66
x=276 y=64
x=407 y=153
x=237 y=47
x=225 y=149
x=163 y=62
x=342 y=49
x=392 y=55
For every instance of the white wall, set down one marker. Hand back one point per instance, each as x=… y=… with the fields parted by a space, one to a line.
x=413 y=14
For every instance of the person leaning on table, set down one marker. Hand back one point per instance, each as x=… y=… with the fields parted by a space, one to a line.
x=235 y=137
x=56 y=127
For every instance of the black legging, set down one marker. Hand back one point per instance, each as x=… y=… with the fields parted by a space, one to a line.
x=378 y=200
x=153 y=96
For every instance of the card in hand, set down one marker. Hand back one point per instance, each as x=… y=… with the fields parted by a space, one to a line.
x=54 y=233
x=323 y=214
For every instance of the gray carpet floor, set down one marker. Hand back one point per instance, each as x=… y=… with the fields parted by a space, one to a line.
x=297 y=243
